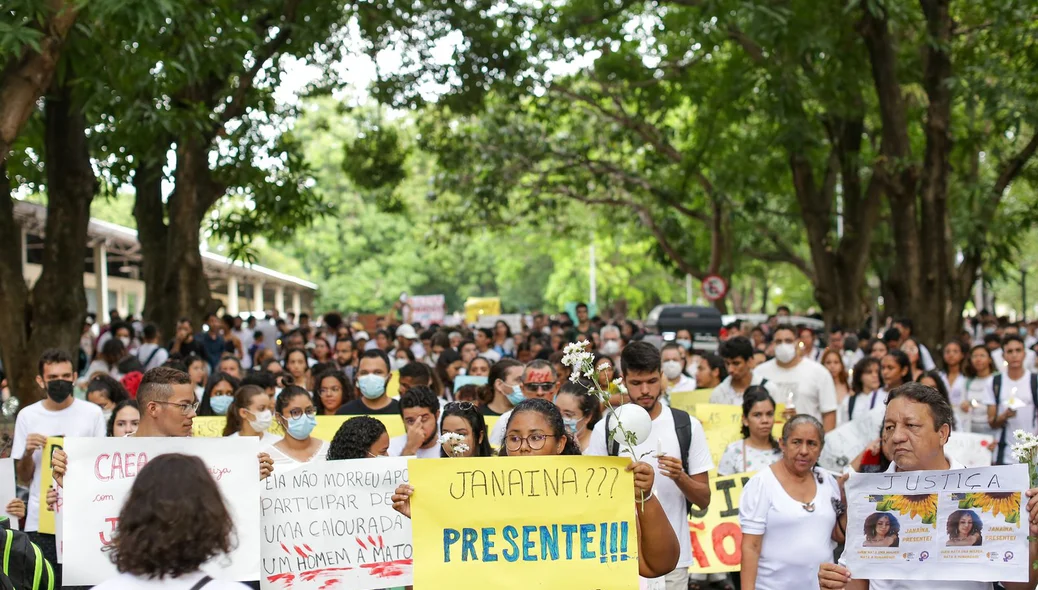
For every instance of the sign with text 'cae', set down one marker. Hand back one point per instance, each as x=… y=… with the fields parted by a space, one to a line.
x=101 y=472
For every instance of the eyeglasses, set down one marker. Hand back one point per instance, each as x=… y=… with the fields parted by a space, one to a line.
x=463 y=406
x=185 y=409
x=535 y=441
x=538 y=386
x=296 y=412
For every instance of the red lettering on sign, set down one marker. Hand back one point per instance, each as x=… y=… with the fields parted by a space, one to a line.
x=722 y=532
x=697 y=549
x=119 y=465
x=113 y=521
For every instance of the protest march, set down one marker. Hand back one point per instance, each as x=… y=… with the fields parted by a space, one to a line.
x=634 y=465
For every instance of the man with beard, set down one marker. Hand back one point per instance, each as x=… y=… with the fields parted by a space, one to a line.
x=677 y=442
x=420 y=411
x=344 y=356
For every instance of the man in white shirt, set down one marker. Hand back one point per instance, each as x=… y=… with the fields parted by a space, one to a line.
x=805 y=386
x=681 y=474
x=484 y=343
x=539 y=381
x=918 y=421
x=151 y=354
x=420 y=411
x=738 y=359
x=58 y=414
x=674 y=367
x=1010 y=398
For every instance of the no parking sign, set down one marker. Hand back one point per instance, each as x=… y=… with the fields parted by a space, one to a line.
x=714 y=288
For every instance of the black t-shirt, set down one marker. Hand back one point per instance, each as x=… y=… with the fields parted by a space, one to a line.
x=486 y=411
x=357 y=408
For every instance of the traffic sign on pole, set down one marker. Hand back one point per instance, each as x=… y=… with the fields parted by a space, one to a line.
x=714 y=288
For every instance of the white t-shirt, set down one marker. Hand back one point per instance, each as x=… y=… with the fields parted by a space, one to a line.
x=184 y=582
x=976 y=421
x=497 y=434
x=283 y=461
x=397 y=444
x=266 y=438
x=766 y=509
x=665 y=435
x=862 y=405
x=145 y=352
x=491 y=355
x=79 y=419
x=811 y=384
x=724 y=394
x=742 y=458
x=685 y=383
x=999 y=360
x=1025 y=418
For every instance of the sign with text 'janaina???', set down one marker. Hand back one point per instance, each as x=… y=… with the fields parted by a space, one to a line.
x=101 y=472
x=963 y=524
x=564 y=519
x=331 y=524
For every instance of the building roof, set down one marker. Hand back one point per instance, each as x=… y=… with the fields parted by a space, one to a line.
x=123 y=241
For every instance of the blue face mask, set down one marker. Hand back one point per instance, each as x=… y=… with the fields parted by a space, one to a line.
x=301 y=427
x=570 y=424
x=686 y=344
x=371 y=386
x=220 y=403
x=516 y=395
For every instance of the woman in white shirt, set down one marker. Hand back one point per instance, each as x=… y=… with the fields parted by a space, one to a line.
x=173 y=522
x=832 y=360
x=866 y=386
x=758 y=449
x=251 y=414
x=789 y=514
x=295 y=412
x=954 y=361
x=980 y=372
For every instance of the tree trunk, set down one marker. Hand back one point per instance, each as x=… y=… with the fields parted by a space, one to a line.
x=52 y=315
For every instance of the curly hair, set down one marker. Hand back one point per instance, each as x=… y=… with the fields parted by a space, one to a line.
x=126 y=403
x=554 y=418
x=354 y=438
x=173 y=521
x=953 y=524
x=873 y=520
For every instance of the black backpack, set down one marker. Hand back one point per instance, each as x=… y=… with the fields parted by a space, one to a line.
x=683 y=428
x=24 y=567
x=996 y=386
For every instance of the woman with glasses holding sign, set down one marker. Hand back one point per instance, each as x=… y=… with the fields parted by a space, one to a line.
x=535 y=428
x=295 y=412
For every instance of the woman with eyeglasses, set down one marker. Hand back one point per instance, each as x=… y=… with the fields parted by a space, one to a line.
x=463 y=420
x=219 y=393
x=535 y=428
x=358 y=438
x=333 y=390
x=295 y=412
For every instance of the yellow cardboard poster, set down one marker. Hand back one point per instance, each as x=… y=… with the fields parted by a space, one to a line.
x=688 y=400
x=567 y=519
x=327 y=426
x=46 y=480
x=722 y=424
x=716 y=535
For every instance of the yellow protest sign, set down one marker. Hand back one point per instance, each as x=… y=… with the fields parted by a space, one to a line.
x=327 y=426
x=722 y=424
x=46 y=480
x=716 y=535
x=567 y=518
x=688 y=400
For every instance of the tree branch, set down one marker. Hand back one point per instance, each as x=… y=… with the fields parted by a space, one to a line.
x=1014 y=166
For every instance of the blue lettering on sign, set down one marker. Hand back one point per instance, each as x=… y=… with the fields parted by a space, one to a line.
x=605 y=542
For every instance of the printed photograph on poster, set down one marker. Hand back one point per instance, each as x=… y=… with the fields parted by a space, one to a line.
x=882 y=530
x=981 y=526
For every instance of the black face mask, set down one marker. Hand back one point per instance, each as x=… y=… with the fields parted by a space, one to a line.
x=58 y=390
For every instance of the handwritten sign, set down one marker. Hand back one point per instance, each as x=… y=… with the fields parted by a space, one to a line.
x=971 y=449
x=100 y=474
x=47 y=515
x=716 y=534
x=327 y=426
x=8 y=488
x=567 y=518
x=966 y=524
x=688 y=400
x=847 y=441
x=332 y=523
x=722 y=424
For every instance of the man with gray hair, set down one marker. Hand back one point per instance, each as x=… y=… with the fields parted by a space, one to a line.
x=539 y=381
x=611 y=342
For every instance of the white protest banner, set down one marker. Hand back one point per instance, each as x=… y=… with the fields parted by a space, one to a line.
x=966 y=524
x=100 y=474
x=972 y=450
x=847 y=441
x=332 y=523
x=427 y=309
x=7 y=487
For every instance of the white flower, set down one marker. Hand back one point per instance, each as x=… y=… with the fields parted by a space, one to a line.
x=619 y=383
x=451 y=439
x=460 y=449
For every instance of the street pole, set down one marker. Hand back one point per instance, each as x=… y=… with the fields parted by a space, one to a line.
x=688 y=289
x=593 y=299
x=1023 y=293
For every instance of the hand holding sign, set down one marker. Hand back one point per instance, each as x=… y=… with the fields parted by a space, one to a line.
x=58 y=461
x=402 y=499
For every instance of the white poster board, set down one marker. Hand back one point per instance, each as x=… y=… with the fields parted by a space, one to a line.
x=8 y=489
x=972 y=450
x=331 y=524
x=966 y=524
x=847 y=441
x=427 y=309
x=101 y=472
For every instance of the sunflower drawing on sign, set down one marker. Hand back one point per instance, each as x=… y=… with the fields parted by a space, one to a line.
x=1004 y=503
x=921 y=505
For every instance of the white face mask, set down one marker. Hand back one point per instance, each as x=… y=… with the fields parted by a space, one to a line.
x=610 y=347
x=125 y=341
x=397 y=364
x=261 y=420
x=672 y=369
x=785 y=352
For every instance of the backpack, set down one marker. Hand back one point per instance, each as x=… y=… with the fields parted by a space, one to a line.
x=24 y=566
x=682 y=427
x=996 y=386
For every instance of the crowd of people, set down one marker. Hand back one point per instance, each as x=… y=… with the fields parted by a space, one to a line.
x=448 y=380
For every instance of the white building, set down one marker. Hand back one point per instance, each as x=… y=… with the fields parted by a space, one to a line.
x=242 y=288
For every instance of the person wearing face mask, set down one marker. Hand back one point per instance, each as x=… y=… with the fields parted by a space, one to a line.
x=674 y=369
x=360 y=437
x=401 y=358
x=218 y=395
x=373 y=374
x=251 y=414
x=683 y=338
x=295 y=412
x=580 y=411
x=612 y=344
x=805 y=386
x=58 y=414
x=504 y=388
